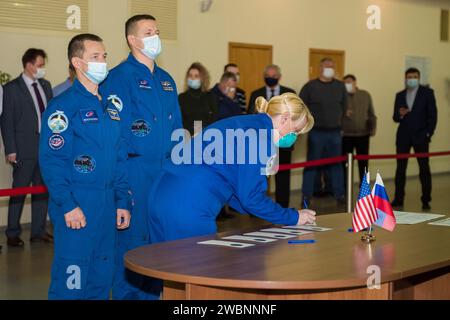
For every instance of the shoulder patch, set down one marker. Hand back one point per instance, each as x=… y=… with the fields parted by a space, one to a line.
x=58 y=122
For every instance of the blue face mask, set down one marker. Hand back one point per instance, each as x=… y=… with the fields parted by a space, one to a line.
x=194 y=83
x=412 y=83
x=96 y=72
x=287 y=141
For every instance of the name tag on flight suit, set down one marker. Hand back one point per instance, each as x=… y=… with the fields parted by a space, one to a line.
x=88 y=116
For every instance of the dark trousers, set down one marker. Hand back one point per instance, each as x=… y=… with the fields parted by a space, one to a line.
x=424 y=171
x=324 y=144
x=361 y=145
x=24 y=173
x=283 y=180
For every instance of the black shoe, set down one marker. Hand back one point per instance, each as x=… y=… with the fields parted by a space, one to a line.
x=46 y=238
x=397 y=204
x=14 y=242
x=426 y=206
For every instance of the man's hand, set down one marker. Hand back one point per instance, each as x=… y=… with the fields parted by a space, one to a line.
x=123 y=219
x=231 y=93
x=403 y=112
x=349 y=113
x=75 y=219
x=306 y=216
x=11 y=158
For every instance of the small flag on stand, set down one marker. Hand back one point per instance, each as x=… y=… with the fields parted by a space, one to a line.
x=365 y=213
x=386 y=217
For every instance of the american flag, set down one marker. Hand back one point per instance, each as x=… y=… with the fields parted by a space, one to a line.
x=365 y=213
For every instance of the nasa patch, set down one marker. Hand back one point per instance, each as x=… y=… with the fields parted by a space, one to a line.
x=56 y=142
x=116 y=101
x=140 y=128
x=88 y=116
x=58 y=122
x=84 y=164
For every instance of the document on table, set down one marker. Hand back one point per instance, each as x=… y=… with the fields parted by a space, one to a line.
x=226 y=244
x=308 y=228
x=288 y=231
x=248 y=238
x=445 y=223
x=414 y=218
x=270 y=235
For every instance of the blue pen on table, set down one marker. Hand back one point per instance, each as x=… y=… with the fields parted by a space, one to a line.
x=301 y=241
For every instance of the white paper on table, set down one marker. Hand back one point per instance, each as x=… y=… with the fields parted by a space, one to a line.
x=226 y=243
x=445 y=223
x=248 y=238
x=270 y=235
x=288 y=231
x=308 y=228
x=414 y=218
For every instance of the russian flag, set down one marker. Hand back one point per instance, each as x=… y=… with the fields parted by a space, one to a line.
x=386 y=217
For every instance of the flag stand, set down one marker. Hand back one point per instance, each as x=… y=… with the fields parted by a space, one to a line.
x=368 y=237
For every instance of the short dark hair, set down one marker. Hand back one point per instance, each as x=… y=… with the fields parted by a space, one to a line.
x=228 y=75
x=76 y=45
x=412 y=70
x=131 y=22
x=31 y=55
x=351 y=76
x=234 y=65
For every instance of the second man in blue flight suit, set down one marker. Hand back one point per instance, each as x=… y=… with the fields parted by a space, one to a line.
x=83 y=163
x=147 y=99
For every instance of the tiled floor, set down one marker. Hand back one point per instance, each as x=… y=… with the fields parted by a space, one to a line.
x=24 y=273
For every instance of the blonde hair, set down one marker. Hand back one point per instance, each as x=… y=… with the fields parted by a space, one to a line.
x=287 y=102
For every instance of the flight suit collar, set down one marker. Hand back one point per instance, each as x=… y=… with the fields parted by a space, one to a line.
x=131 y=59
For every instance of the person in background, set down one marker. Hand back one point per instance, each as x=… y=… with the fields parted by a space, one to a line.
x=326 y=97
x=196 y=102
x=60 y=88
x=240 y=96
x=225 y=93
x=416 y=112
x=25 y=99
x=272 y=77
x=359 y=122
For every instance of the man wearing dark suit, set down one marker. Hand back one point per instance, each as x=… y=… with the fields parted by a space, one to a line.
x=272 y=76
x=415 y=110
x=25 y=99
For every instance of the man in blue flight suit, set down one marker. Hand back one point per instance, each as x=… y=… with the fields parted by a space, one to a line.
x=83 y=163
x=146 y=97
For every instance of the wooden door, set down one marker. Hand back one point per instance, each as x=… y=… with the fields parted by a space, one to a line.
x=251 y=59
x=315 y=55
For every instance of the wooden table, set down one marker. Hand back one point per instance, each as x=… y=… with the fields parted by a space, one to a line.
x=414 y=263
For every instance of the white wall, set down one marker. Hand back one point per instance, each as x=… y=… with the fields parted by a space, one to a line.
x=292 y=27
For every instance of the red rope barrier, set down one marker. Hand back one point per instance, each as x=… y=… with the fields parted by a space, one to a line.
x=401 y=156
x=283 y=167
x=22 y=191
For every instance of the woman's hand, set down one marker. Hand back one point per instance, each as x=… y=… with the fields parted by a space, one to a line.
x=306 y=216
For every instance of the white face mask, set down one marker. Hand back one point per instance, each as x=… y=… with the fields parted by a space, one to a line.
x=328 y=73
x=40 y=73
x=152 y=46
x=349 y=87
x=96 y=72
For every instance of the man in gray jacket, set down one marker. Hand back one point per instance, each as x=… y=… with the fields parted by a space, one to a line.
x=25 y=99
x=359 y=122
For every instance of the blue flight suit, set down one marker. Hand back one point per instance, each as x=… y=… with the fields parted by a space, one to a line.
x=83 y=163
x=148 y=104
x=185 y=199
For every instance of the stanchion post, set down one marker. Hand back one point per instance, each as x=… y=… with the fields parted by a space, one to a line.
x=349 y=182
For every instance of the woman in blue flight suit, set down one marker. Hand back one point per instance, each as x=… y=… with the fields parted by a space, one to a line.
x=186 y=198
x=82 y=159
